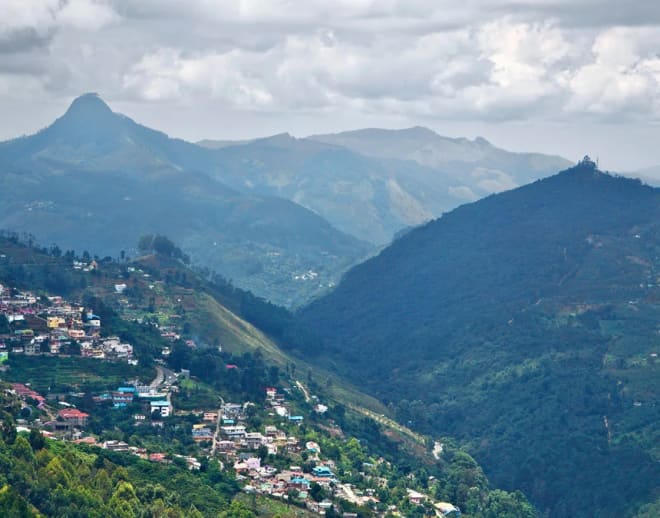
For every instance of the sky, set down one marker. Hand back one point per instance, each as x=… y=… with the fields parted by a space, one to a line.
x=567 y=77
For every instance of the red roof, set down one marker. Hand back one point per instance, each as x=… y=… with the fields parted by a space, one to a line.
x=24 y=391
x=71 y=413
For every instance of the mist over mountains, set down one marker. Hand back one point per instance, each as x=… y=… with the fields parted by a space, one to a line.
x=97 y=180
x=283 y=217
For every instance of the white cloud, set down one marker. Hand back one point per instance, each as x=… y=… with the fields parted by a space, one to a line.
x=89 y=15
x=623 y=75
x=409 y=61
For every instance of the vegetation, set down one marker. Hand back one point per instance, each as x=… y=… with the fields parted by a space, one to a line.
x=525 y=325
x=50 y=478
x=364 y=451
x=107 y=181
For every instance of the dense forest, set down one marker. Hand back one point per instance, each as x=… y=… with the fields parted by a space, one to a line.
x=526 y=325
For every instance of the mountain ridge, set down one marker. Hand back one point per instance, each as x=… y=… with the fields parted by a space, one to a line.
x=154 y=184
x=512 y=323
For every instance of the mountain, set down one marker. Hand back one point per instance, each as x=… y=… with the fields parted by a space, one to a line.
x=351 y=430
x=373 y=183
x=525 y=324
x=650 y=175
x=98 y=180
x=478 y=167
x=366 y=197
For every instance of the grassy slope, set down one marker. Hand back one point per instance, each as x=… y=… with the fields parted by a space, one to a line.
x=239 y=336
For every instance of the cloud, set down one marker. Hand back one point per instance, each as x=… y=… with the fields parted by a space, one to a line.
x=417 y=61
x=89 y=15
x=463 y=192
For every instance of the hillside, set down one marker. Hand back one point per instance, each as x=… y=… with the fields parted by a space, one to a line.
x=176 y=318
x=475 y=167
x=527 y=325
x=96 y=180
x=373 y=183
x=367 y=197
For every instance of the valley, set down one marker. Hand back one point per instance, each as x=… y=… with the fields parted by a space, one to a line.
x=201 y=393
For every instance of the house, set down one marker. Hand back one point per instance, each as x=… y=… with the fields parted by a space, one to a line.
x=323 y=472
x=163 y=406
x=253 y=440
x=32 y=347
x=210 y=417
x=115 y=446
x=201 y=432
x=225 y=446
x=416 y=497
x=447 y=509
x=233 y=432
x=55 y=322
x=232 y=411
x=313 y=447
x=299 y=483
x=73 y=417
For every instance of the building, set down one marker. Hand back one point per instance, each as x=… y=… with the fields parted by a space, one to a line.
x=73 y=417
x=115 y=446
x=210 y=417
x=323 y=472
x=163 y=406
x=202 y=432
x=233 y=432
x=121 y=398
x=253 y=440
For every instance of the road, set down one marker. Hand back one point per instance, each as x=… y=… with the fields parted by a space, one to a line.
x=437 y=449
x=217 y=427
x=389 y=423
x=160 y=377
x=304 y=390
x=163 y=375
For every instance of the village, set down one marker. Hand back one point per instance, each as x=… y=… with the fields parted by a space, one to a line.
x=52 y=326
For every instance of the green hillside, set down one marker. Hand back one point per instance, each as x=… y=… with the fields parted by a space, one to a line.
x=371 y=453
x=526 y=324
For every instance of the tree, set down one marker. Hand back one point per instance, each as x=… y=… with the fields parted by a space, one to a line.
x=36 y=440
x=317 y=492
x=237 y=510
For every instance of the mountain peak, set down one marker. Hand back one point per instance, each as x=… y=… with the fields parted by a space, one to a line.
x=88 y=117
x=89 y=103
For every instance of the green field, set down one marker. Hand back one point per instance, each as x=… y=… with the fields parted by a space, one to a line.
x=67 y=373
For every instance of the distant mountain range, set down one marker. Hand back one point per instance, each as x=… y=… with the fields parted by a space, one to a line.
x=527 y=325
x=96 y=180
x=373 y=183
x=650 y=175
x=283 y=217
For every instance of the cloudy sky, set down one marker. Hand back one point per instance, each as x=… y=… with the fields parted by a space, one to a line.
x=561 y=76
